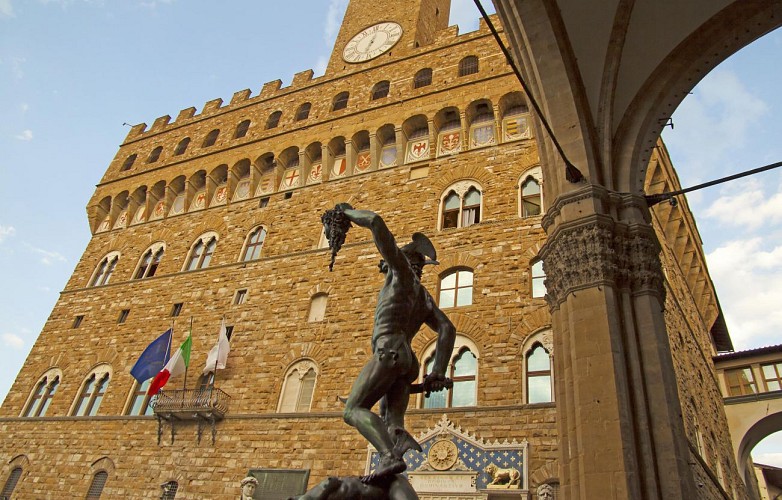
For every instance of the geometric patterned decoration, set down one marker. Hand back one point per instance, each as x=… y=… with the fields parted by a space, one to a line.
x=455 y=461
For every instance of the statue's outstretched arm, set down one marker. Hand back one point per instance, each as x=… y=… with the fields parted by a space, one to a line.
x=384 y=240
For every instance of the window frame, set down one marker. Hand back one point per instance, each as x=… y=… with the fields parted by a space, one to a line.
x=103 y=272
x=250 y=246
x=139 y=391
x=149 y=262
x=741 y=386
x=11 y=482
x=242 y=128
x=461 y=189
x=201 y=252
x=92 y=392
x=211 y=138
x=40 y=399
x=302 y=367
x=462 y=344
x=533 y=278
x=97 y=484
x=777 y=367
x=303 y=112
x=530 y=374
x=380 y=90
x=422 y=78
x=468 y=65
x=450 y=272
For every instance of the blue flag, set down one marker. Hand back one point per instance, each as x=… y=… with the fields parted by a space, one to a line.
x=153 y=359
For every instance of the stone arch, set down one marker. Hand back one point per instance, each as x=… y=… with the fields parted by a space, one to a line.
x=102 y=464
x=176 y=475
x=475 y=173
x=320 y=288
x=756 y=428
x=451 y=260
x=547 y=473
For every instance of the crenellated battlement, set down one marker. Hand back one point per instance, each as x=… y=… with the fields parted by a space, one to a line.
x=301 y=80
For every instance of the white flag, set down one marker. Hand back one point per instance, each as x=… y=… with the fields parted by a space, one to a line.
x=219 y=353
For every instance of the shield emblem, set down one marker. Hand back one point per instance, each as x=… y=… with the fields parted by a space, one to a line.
x=290 y=179
x=121 y=220
x=139 y=217
x=316 y=172
x=242 y=190
x=179 y=204
x=450 y=143
x=516 y=127
x=388 y=156
x=417 y=150
x=220 y=195
x=266 y=185
x=340 y=166
x=104 y=226
x=199 y=202
x=159 y=210
x=483 y=135
x=363 y=161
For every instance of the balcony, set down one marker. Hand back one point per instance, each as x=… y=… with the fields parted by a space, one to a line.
x=204 y=405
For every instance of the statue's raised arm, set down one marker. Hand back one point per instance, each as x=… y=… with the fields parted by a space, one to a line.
x=384 y=240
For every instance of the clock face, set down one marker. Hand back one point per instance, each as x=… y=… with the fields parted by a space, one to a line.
x=371 y=42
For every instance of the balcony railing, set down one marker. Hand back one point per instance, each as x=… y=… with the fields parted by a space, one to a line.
x=208 y=405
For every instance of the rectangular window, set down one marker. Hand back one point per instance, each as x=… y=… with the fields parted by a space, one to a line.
x=77 y=321
x=176 y=309
x=240 y=297
x=229 y=330
x=772 y=376
x=740 y=381
x=123 y=316
x=264 y=202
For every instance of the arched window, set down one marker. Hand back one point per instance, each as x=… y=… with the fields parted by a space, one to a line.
x=381 y=89
x=241 y=129
x=531 y=204
x=298 y=387
x=129 y=161
x=201 y=252
x=462 y=369
x=149 y=262
x=303 y=112
x=255 y=239
x=139 y=401
x=97 y=484
x=538 y=370
x=340 y=101
x=456 y=289
x=468 y=66
x=461 y=206
x=182 y=146
x=211 y=138
x=10 y=483
x=169 y=490
x=42 y=397
x=422 y=78
x=105 y=269
x=317 y=307
x=92 y=393
x=273 y=120
x=538 y=277
x=155 y=154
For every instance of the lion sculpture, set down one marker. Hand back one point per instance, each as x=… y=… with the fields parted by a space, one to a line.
x=503 y=477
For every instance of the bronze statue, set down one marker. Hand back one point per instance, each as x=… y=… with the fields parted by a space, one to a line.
x=403 y=306
x=393 y=487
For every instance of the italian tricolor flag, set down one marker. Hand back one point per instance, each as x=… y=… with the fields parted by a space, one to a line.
x=175 y=366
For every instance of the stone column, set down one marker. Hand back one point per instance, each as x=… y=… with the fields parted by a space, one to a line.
x=620 y=425
x=374 y=151
x=401 y=144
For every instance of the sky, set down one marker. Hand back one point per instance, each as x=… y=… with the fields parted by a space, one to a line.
x=73 y=72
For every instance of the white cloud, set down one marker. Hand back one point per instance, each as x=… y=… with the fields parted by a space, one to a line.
x=13 y=341
x=745 y=205
x=331 y=26
x=718 y=118
x=23 y=107
x=26 y=135
x=6 y=231
x=747 y=274
x=6 y=9
x=47 y=257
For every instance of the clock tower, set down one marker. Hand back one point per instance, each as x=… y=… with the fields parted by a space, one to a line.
x=372 y=32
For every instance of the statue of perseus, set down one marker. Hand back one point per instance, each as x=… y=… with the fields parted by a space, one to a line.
x=403 y=306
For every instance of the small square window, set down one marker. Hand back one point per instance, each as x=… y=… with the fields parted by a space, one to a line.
x=229 y=330
x=123 y=316
x=264 y=202
x=240 y=297
x=289 y=195
x=77 y=321
x=176 y=309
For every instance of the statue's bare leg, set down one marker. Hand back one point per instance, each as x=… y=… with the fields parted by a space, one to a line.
x=374 y=381
x=396 y=406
